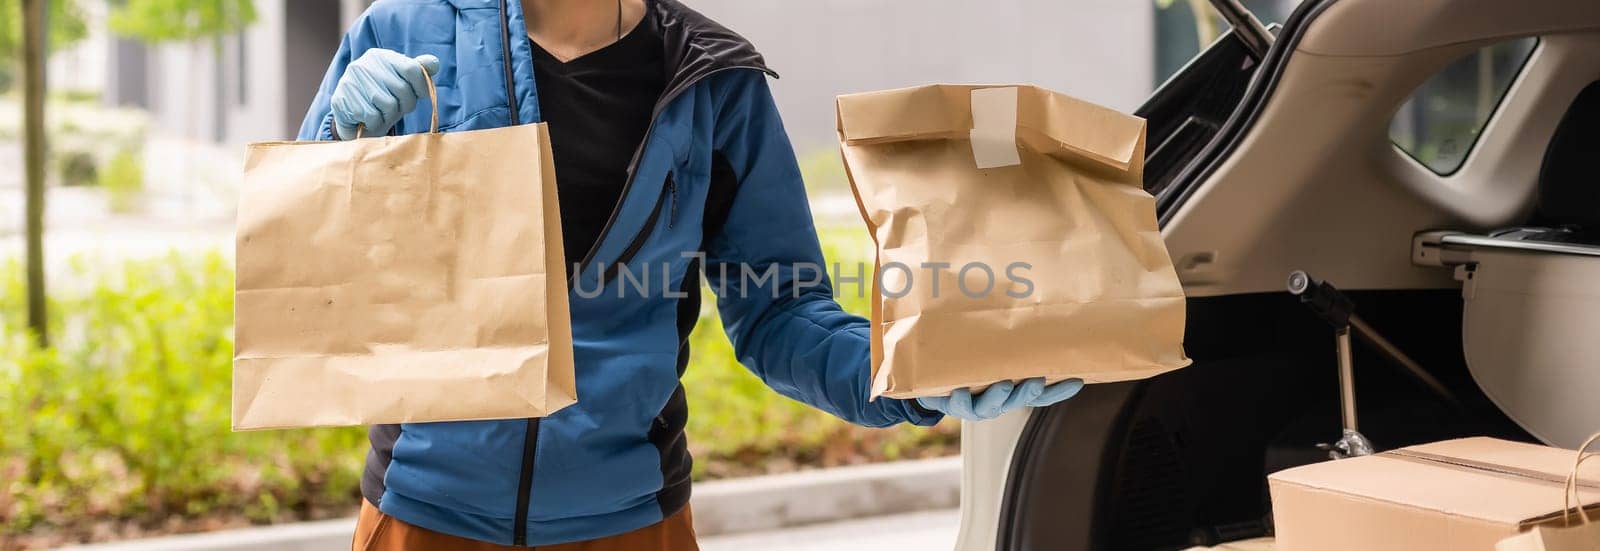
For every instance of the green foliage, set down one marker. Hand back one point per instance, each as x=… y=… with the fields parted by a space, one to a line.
x=76 y=168
x=123 y=182
x=64 y=17
x=738 y=426
x=83 y=136
x=179 y=20
x=126 y=417
x=823 y=171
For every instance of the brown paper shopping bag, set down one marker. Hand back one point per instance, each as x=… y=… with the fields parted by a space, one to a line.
x=401 y=279
x=1577 y=530
x=1014 y=239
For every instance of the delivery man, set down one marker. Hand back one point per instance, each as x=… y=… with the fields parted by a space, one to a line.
x=669 y=157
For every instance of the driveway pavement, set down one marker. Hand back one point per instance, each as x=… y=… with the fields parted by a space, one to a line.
x=929 y=530
x=924 y=531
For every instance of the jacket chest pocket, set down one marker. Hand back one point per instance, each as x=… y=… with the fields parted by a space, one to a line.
x=666 y=205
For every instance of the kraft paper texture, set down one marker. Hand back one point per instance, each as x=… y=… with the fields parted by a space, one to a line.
x=401 y=279
x=1104 y=302
x=1576 y=537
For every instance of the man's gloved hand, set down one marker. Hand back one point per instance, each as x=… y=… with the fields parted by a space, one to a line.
x=377 y=89
x=1001 y=398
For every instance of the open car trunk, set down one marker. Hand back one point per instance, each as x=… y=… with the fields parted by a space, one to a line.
x=1263 y=164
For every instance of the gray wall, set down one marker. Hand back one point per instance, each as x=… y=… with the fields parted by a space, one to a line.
x=311 y=37
x=126 y=68
x=1099 y=50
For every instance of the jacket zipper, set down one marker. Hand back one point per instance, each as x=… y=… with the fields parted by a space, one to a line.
x=669 y=196
x=672 y=205
x=530 y=433
x=519 y=530
x=530 y=444
x=505 y=54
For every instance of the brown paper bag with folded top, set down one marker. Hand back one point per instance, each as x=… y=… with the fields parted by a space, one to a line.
x=401 y=279
x=1014 y=239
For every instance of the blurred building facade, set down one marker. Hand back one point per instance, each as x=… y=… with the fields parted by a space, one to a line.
x=250 y=86
x=257 y=84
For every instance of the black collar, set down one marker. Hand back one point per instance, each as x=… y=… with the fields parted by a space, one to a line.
x=696 y=46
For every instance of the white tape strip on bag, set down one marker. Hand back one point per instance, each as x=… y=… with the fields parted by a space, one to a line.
x=994 y=127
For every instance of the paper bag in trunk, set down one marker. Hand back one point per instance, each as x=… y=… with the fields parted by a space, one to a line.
x=401 y=279
x=1578 y=530
x=1014 y=239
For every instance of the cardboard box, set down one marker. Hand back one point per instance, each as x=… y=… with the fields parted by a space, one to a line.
x=1456 y=495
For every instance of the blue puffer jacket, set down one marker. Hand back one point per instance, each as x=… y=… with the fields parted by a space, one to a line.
x=715 y=181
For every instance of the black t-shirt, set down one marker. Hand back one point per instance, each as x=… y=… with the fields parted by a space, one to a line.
x=598 y=107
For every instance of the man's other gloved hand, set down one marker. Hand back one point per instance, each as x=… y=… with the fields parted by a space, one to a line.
x=377 y=89
x=1001 y=398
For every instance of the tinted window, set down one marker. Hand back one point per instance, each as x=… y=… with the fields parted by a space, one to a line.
x=1441 y=121
x=1185 y=27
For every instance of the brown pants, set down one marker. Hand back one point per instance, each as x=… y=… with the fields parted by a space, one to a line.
x=376 y=531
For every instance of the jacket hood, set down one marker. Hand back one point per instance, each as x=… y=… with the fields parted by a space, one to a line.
x=697 y=46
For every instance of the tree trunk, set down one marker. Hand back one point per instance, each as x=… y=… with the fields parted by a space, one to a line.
x=33 y=58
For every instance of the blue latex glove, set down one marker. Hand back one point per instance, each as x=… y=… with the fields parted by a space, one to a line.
x=1001 y=398
x=377 y=89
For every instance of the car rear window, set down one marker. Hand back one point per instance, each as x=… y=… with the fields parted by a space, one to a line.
x=1441 y=121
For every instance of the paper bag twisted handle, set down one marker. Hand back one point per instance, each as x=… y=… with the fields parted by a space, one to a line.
x=1570 y=492
x=433 y=102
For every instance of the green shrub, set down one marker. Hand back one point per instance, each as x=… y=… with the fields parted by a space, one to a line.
x=126 y=417
x=123 y=182
x=738 y=426
x=76 y=168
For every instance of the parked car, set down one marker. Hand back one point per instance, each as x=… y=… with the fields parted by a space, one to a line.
x=1433 y=159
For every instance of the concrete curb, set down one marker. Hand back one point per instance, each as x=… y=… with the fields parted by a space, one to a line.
x=810 y=497
x=720 y=507
x=322 y=535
